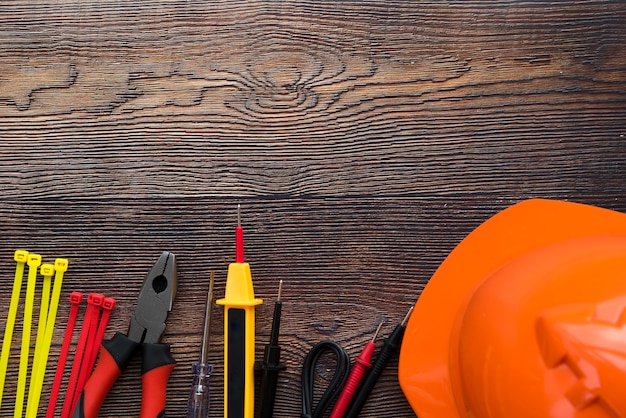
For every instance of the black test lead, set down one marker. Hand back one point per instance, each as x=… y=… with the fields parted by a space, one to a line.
x=271 y=366
x=391 y=346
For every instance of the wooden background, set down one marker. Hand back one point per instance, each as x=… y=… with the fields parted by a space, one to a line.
x=363 y=140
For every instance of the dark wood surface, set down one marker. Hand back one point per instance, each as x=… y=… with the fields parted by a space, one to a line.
x=363 y=140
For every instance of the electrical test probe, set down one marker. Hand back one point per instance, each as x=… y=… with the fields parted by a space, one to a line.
x=239 y=334
x=361 y=364
x=271 y=363
x=391 y=345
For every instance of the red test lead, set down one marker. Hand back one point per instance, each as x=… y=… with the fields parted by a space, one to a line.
x=361 y=364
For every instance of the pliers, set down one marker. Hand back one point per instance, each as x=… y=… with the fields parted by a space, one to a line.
x=145 y=331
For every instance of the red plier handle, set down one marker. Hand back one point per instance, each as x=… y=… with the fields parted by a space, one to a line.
x=157 y=365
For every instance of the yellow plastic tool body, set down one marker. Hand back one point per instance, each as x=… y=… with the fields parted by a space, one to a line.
x=41 y=355
x=20 y=257
x=34 y=261
x=239 y=335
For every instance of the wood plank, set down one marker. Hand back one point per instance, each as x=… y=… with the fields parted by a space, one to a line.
x=363 y=139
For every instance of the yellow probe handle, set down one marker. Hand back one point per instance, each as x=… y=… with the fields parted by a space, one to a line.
x=239 y=336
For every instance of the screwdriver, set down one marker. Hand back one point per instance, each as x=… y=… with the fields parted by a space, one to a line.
x=391 y=346
x=239 y=303
x=361 y=364
x=198 y=404
x=271 y=365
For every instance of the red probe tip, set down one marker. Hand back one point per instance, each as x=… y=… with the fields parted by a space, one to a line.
x=239 y=238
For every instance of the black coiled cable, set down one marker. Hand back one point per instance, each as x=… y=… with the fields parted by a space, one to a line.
x=335 y=385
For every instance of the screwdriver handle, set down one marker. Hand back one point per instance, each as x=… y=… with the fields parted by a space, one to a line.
x=198 y=404
x=361 y=364
x=114 y=357
x=156 y=368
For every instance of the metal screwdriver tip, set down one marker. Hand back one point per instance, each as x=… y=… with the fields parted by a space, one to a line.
x=238 y=214
x=280 y=289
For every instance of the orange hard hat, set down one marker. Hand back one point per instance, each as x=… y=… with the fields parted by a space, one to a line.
x=525 y=318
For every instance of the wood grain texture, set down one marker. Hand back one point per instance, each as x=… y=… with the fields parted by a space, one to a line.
x=363 y=139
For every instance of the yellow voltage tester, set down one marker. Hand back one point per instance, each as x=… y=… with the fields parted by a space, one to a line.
x=239 y=303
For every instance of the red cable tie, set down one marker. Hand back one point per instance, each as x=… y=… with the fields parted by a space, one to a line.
x=86 y=366
x=75 y=300
x=92 y=347
x=107 y=307
x=94 y=301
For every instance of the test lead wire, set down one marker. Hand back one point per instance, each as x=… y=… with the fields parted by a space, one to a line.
x=271 y=366
x=392 y=343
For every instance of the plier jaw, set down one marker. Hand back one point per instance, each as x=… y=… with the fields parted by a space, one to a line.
x=155 y=301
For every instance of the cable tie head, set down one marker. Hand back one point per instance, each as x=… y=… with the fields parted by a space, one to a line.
x=21 y=256
x=34 y=260
x=47 y=270
x=60 y=265
x=108 y=304
x=76 y=298
x=96 y=299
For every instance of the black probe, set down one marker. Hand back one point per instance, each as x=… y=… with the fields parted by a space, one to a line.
x=391 y=345
x=271 y=366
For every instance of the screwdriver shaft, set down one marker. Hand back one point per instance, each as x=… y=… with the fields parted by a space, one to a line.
x=198 y=403
x=208 y=313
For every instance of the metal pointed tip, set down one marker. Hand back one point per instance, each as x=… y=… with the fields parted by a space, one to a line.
x=238 y=214
x=206 y=334
x=407 y=316
x=377 y=331
x=280 y=290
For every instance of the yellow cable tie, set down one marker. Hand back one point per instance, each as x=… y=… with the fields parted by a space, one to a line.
x=47 y=271
x=34 y=261
x=20 y=256
x=60 y=267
